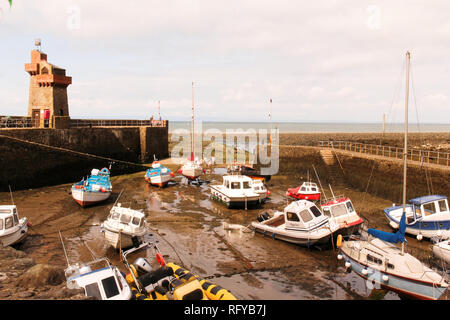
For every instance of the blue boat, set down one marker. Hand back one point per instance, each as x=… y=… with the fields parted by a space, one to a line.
x=158 y=175
x=96 y=188
x=426 y=216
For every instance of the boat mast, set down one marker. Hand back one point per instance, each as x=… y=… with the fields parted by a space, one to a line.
x=192 y=139
x=405 y=153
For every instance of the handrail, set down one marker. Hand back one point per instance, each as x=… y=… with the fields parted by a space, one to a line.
x=413 y=154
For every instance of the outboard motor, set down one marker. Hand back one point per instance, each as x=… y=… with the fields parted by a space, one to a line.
x=142 y=266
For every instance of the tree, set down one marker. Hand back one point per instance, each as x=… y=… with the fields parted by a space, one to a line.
x=10 y=3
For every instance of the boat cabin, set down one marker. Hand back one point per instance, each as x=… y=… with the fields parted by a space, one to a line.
x=105 y=283
x=303 y=214
x=8 y=218
x=237 y=182
x=121 y=217
x=308 y=187
x=433 y=207
x=338 y=207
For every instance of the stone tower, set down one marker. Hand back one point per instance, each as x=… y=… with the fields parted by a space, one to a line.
x=47 y=105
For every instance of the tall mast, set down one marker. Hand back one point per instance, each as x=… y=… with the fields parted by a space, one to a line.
x=193 y=138
x=270 y=116
x=405 y=153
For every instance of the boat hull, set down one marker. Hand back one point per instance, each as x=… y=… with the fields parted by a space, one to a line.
x=17 y=236
x=158 y=180
x=88 y=198
x=301 y=196
x=407 y=287
x=442 y=251
x=124 y=241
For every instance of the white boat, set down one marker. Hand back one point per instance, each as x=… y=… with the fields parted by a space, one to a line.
x=12 y=229
x=159 y=175
x=378 y=259
x=99 y=279
x=96 y=188
x=191 y=170
x=259 y=187
x=341 y=210
x=307 y=191
x=235 y=191
x=124 y=227
x=442 y=251
x=301 y=222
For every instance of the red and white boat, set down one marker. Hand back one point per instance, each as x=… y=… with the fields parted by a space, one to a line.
x=307 y=191
x=341 y=211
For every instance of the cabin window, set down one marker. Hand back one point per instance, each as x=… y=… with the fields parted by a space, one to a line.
x=326 y=211
x=291 y=216
x=16 y=219
x=390 y=266
x=92 y=290
x=316 y=212
x=339 y=210
x=429 y=208
x=124 y=218
x=136 y=221
x=235 y=185
x=314 y=189
x=8 y=223
x=115 y=215
x=1 y=224
x=374 y=259
x=5 y=211
x=246 y=185
x=302 y=189
x=305 y=215
x=349 y=206
x=442 y=206
x=110 y=287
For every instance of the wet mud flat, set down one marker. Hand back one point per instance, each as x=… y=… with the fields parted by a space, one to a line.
x=204 y=236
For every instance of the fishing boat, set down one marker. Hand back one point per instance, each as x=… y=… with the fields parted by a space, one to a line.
x=96 y=188
x=12 y=229
x=301 y=222
x=426 y=216
x=236 y=191
x=248 y=170
x=158 y=175
x=192 y=169
x=167 y=281
x=441 y=250
x=124 y=227
x=307 y=191
x=259 y=187
x=99 y=279
x=377 y=258
x=341 y=210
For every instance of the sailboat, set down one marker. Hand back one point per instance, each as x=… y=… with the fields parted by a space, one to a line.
x=192 y=169
x=378 y=259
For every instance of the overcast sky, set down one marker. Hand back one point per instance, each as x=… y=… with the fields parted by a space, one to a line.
x=318 y=60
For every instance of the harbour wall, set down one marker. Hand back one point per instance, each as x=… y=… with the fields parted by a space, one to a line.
x=29 y=165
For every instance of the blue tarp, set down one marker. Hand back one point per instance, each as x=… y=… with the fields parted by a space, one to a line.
x=399 y=236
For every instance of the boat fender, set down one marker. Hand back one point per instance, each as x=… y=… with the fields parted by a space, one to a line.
x=419 y=237
x=339 y=256
x=364 y=271
x=339 y=241
x=160 y=259
x=385 y=278
x=215 y=292
x=29 y=224
x=105 y=170
x=348 y=264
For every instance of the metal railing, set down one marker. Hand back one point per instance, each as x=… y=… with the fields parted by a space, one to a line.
x=89 y=123
x=15 y=122
x=423 y=156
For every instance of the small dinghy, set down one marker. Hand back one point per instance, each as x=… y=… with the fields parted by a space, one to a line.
x=236 y=191
x=12 y=229
x=96 y=188
x=442 y=251
x=158 y=175
x=340 y=210
x=301 y=222
x=307 y=191
x=378 y=259
x=124 y=227
x=167 y=281
x=99 y=279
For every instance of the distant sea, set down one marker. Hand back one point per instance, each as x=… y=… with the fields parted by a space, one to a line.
x=294 y=127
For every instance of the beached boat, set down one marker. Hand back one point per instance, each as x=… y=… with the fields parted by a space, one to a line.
x=124 y=227
x=191 y=170
x=341 y=210
x=158 y=175
x=236 y=191
x=379 y=260
x=426 y=216
x=259 y=187
x=99 y=278
x=167 y=281
x=442 y=251
x=307 y=191
x=96 y=188
x=12 y=229
x=301 y=222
